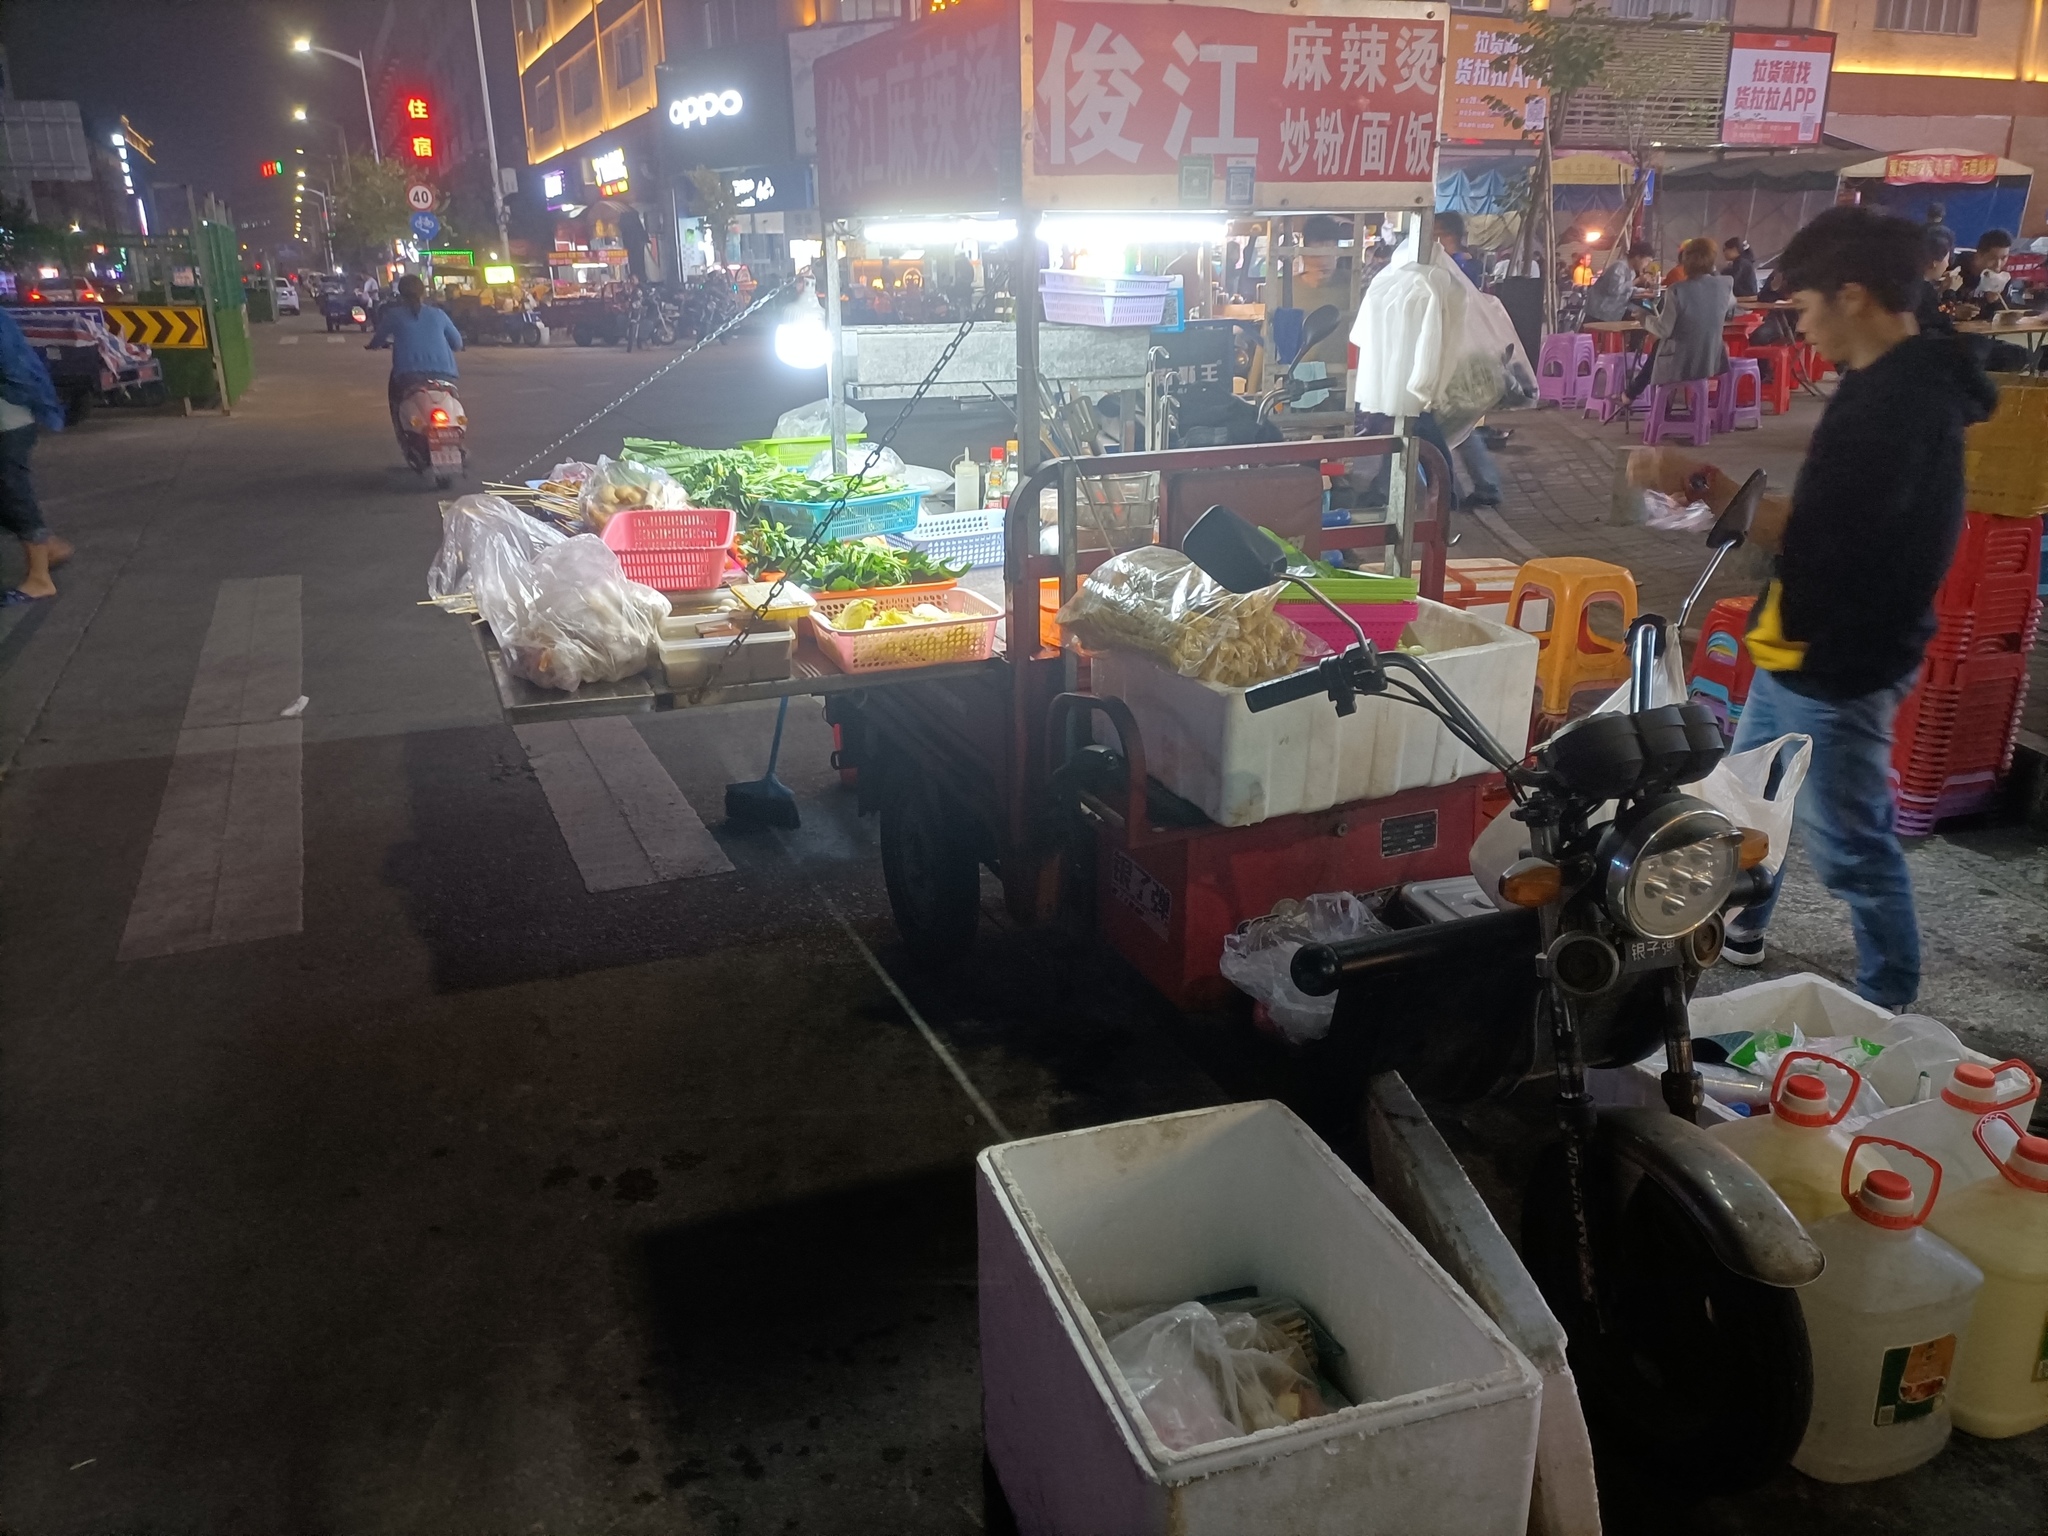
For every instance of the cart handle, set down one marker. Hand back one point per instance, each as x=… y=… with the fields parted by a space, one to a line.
x=1136 y=819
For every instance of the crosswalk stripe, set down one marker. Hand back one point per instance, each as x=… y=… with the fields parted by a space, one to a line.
x=624 y=819
x=226 y=863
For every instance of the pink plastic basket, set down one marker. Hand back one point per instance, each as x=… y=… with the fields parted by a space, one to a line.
x=970 y=637
x=1382 y=622
x=672 y=551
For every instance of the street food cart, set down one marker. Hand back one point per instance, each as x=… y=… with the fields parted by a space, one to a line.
x=1155 y=112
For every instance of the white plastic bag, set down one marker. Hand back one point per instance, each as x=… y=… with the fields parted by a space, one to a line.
x=871 y=459
x=1158 y=602
x=474 y=523
x=1203 y=1376
x=569 y=616
x=1258 y=958
x=621 y=485
x=815 y=420
x=1736 y=789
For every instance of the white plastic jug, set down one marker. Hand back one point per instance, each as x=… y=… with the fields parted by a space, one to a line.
x=2001 y=1226
x=1883 y=1321
x=1943 y=1126
x=1796 y=1146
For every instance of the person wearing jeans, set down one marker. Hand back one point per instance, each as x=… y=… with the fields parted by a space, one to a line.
x=28 y=400
x=1861 y=546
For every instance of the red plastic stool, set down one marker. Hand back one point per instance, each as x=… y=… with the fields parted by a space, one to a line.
x=1721 y=666
x=1778 y=365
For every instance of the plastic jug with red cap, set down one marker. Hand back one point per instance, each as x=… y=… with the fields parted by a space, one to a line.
x=1944 y=1126
x=2001 y=1226
x=1797 y=1147
x=1883 y=1322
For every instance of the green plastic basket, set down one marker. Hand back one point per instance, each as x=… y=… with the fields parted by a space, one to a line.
x=796 y=452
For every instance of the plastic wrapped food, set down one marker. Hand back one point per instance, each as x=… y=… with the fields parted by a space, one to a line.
x=569 y=616
x=1157 y=601
x=471 y=525
x=815 y=420
x=571 y=472
x=1203 y=1376
x=619 y=485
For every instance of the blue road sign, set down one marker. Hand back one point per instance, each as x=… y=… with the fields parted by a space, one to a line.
x=425 y=226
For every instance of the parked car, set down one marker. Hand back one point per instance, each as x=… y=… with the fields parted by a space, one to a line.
x=287 y=295
x=62 y=290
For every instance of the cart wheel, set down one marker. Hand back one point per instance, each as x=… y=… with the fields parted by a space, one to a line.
x=932 y=873
x=529 y=336
x=583 y=336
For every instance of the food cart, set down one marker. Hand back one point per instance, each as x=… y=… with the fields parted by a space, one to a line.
x=1262 y=110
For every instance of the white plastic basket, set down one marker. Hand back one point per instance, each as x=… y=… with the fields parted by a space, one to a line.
x=970 y=637
x=976 y=537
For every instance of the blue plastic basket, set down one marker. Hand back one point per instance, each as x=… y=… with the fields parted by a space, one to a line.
x=890 y=512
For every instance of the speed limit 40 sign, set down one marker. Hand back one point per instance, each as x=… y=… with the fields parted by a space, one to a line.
x=421 y=196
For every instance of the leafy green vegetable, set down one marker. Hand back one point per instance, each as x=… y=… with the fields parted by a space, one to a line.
x=840 y=565
x=741 y=479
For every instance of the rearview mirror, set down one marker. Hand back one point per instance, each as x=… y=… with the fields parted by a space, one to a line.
x=1232 y=553
x=1316 y=329
x=1732 y=526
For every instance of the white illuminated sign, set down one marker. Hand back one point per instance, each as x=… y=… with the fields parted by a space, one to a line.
x=609 y=172
x=689 y=111
x=748 y=192
x=551 y=184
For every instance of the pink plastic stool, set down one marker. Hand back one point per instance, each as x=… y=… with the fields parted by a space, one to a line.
x=1564 y=368
x=1697 y=423
x=1740 y=392
x=1607 y=395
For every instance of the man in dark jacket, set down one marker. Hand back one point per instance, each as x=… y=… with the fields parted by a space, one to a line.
x=1862 y=545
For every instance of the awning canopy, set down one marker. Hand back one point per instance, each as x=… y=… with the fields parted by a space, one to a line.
x=1797 y=171
x=1875 y=170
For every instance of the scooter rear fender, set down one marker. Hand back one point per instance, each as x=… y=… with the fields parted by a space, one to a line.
x=1743 y=1220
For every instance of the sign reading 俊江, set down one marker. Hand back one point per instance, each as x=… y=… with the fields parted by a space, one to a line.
x=1777 y=87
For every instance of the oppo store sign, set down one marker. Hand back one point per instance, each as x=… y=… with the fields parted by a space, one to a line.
x=691 y=111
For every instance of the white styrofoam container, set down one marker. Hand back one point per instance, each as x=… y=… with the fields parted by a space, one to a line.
x=1442 y=1437
x=1202 y=743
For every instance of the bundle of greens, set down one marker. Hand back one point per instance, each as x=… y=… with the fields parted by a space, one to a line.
x=839 y=565
x=741 y=479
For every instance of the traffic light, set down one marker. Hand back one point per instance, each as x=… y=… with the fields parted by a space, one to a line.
x=272 y=168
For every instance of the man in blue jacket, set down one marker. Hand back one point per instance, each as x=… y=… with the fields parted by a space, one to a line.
x=27 y=400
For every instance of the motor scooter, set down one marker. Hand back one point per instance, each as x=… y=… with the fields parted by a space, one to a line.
x=1670 y=1263
x=432 y=427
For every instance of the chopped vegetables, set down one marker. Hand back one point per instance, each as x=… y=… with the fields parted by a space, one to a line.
x=840 y=565
x=867 y=614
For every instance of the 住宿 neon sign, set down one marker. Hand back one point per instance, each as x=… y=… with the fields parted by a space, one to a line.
x=689 y=111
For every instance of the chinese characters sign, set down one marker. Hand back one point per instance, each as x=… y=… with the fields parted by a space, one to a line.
x=1483 y=64
x=922 y=119
x=1777 y=87
x=1134 y=89
x=1944 y=170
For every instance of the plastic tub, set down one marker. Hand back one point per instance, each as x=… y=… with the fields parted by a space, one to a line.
x=680 y=550
x=975 y=537
x=1202 y=743
x=1382 y=622
x=1143 y=309
x=796 y=452
x=970 y=637
x=862 y=517
x=1442 y=1434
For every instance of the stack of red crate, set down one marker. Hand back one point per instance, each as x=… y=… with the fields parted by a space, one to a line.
x=1955 y=732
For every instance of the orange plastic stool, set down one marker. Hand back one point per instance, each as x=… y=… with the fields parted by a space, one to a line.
x=1552 y=600
x=1780 y=366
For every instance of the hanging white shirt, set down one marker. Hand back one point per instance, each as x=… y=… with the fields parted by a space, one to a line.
x=1407 y=334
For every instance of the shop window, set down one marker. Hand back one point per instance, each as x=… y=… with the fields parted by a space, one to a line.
x=1957 y=18
x=869 y=10
x=626 y=51
x=1667 y=10
x=1491 y=7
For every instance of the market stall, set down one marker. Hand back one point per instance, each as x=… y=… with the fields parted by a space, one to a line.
x=1977 y=191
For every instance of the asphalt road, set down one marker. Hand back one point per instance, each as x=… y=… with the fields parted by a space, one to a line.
x=404 y=1183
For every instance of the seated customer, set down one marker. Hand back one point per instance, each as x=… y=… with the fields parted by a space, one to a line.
x=1928 y=313
x=1984 y=276
x=1687 y=322
x=1741 y=266
x=1614 y=290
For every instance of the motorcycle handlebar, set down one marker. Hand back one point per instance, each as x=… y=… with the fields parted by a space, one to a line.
x=1284 y=690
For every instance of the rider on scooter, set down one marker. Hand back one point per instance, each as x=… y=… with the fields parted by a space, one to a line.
x=423 y=342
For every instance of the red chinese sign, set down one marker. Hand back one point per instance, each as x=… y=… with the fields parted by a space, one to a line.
x=1777 y=87
x=922 y=119
x=1136 y=89
x=1943 y=170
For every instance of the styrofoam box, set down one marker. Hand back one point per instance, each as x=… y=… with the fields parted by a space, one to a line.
x=1202 y=743
x=1441 y=1437
x=1818 y=1006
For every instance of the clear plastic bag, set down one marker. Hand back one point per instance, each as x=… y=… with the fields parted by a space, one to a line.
x=1157 y=601
x=1737 y=786
x=1671 y=515
x=1258 y=959
x=815 y=420
x=1203 y=1376
x=474 y=523
x=620 y=485
x=571 y=472
x=871 y=459
x=569 y=616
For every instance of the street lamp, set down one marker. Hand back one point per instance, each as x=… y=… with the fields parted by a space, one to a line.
x=301 y=115
x=307 y=45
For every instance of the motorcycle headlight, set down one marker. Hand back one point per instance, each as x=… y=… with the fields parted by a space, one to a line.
x=1670 y=866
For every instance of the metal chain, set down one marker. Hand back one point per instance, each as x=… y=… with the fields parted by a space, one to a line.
x=871 y=453
x=760 y=301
